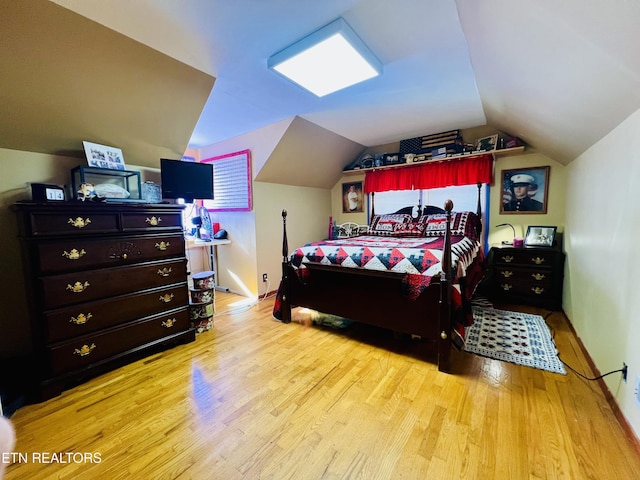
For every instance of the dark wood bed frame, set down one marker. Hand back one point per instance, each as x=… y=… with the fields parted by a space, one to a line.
x=375 y=297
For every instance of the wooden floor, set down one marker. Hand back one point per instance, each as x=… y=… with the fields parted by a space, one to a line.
x=254 y=398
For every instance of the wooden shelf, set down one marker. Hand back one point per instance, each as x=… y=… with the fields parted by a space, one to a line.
x=496 y=153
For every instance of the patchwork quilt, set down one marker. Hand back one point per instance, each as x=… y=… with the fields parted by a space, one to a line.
x=409 y=255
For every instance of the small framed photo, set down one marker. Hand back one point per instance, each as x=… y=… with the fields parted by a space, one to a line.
x=487 y=143
x=102 y=156
x=525 y=190
x=352 y=197
x=539 y=236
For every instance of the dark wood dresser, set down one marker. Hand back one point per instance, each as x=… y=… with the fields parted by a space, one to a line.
x=527 y=275
x=106 y=284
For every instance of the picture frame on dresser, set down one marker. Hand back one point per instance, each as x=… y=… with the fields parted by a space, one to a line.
x=540 y=236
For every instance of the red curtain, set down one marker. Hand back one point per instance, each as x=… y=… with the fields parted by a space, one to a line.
x=462 y=171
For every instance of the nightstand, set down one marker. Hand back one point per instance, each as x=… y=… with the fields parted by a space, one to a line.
x=527 y=275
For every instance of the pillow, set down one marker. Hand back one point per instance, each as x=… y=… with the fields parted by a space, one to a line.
x=109 y=190
x=395 y=225
x=463 y=224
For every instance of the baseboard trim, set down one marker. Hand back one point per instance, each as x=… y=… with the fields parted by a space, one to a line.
x=622 y=420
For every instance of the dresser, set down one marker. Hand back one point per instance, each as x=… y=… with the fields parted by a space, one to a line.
x=527 y=275
x=106 y=284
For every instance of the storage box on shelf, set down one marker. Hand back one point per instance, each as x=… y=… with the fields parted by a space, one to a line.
x=106 y=283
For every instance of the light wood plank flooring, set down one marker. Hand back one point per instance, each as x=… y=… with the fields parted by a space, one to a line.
x=254 y=398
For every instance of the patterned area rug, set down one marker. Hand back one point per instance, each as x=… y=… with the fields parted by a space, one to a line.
x=514 y=337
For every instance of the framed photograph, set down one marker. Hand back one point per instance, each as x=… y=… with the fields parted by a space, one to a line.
x=487 y=143
x=102 y=156
x=352 y=197
x=525 y=190
x=539 y=236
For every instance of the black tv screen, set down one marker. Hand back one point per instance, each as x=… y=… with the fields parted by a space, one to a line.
x=188 y=180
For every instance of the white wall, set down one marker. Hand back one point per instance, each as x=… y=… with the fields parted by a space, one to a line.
x=601 y=287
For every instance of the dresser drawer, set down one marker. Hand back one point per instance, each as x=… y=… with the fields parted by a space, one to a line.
x=523 y=256
x=80 y=287
x=151 y=221
x=89 y=317
x=72 y=223
x=86 y=350
x=82 y=253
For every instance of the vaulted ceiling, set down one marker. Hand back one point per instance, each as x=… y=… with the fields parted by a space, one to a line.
x=560 y=75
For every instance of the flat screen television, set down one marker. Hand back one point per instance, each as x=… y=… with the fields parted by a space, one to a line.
x=188 y=180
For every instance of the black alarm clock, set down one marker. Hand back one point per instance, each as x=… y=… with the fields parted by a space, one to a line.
x=41 y=192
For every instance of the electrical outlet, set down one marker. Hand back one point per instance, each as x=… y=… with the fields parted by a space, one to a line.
x=264 y=277
x=625 y=368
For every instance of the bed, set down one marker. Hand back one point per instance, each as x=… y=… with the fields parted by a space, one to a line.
x=411 y=274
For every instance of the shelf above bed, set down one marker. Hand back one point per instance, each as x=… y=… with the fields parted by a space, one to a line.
x=496 y=153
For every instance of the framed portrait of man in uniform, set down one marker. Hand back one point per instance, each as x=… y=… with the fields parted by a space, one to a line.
x=525 y=190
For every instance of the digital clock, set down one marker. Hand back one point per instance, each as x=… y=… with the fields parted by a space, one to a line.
x=41 y=192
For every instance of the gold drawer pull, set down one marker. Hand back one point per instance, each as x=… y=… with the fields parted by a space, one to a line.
x=166 y=298
x=164 y=272
x=538 y=260
x=74 y=254
x=84 y=350
x=537 y=290
x=538 y=276
x=81 y=320
x=506 y=287
x=170 y=322
x=79 y=222
x=154 y=221
x=78 y=287
x=162 y=246
x=507 y=258
x=507 y=273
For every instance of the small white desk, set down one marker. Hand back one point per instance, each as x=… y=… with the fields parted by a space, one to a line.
x=191 y=242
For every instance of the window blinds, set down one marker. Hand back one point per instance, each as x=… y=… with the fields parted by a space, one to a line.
x=231 y=182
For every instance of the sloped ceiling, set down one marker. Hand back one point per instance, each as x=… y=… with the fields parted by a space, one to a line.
x=560 y=75
x=65 y=79
x=297 y=160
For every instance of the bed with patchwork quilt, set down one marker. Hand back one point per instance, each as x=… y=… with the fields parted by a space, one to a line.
x=409 y=275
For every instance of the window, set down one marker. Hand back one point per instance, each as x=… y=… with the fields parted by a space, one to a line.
x=231 y=182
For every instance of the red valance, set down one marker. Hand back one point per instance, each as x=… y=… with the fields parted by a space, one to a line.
x=461 y=171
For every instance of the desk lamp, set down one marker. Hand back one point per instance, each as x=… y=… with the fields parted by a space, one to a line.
x=517 y=242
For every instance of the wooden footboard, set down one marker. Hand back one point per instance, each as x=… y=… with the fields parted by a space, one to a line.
x=374 y=297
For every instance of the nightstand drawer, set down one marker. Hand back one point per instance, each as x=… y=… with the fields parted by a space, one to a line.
x=107 y=343
x=82 y=253
x=524 y=256
x=80 y=287
x=515 y=275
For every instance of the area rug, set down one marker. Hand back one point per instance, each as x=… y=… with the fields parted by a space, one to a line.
x=519 y=338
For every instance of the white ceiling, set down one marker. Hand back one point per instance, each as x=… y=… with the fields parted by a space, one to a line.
x=560 y=75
